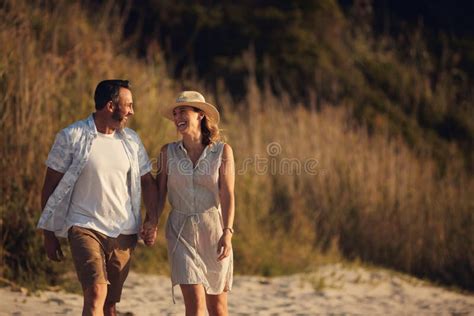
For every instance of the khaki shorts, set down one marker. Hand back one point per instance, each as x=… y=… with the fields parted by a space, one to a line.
x=100 y=259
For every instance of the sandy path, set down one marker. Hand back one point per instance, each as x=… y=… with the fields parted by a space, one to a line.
x=334 y=289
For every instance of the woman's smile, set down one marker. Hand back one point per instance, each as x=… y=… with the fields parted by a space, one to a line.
x=182 y=125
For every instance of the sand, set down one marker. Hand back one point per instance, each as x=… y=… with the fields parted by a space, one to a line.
x=333 y=290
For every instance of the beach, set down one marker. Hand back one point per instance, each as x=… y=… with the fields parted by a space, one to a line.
x=334 y=289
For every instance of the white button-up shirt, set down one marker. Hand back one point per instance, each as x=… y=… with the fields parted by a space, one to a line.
x=69 y=154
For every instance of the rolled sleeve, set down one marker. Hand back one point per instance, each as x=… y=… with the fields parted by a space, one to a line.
x=60 y=157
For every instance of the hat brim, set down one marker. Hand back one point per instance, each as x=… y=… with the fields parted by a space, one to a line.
x=209 y=110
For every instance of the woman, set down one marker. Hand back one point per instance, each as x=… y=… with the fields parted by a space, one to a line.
x=198 y=174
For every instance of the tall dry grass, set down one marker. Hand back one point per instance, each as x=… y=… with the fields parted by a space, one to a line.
x=51 y=58
x=371 y=195
x=366 y=197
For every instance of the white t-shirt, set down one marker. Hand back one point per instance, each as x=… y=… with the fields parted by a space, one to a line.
x=101 y=191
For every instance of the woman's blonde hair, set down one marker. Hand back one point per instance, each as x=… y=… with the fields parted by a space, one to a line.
x=210 y=130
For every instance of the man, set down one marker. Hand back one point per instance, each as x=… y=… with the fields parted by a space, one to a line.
x=96 y=171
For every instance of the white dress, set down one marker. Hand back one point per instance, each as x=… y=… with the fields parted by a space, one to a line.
x=195 y=224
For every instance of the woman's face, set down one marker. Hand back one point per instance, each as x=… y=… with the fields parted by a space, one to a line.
x=186 y=119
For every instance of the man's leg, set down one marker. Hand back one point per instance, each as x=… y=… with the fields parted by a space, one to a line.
x=118 y=266
x=94 y=299
x=89 y=259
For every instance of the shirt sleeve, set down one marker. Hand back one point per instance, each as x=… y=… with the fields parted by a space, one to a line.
x=60 y=156
x=143 y=160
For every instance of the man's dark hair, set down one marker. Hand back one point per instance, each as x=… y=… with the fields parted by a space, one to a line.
x=108 y=90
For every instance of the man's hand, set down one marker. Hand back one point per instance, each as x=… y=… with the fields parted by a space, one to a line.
x=52 y=246
x=148 y=233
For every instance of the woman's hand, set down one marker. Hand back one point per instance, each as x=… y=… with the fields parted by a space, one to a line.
x=224 y=246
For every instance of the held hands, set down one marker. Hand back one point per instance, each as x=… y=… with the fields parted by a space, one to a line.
x=52 y=246
x=148 y=233
x=224 y=246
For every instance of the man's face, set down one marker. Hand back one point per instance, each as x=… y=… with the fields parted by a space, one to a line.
x=124 y=108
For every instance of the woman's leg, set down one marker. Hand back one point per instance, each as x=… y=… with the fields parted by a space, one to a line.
x=217 y=304
x=194 y=299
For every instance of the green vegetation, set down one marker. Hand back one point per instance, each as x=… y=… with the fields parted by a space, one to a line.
x=369 y=194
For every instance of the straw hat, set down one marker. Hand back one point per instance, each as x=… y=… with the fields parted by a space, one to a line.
x=194 y=99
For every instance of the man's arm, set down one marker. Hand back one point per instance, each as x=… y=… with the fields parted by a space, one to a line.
x=51 y=242
x=150 y=198
x=159 y=187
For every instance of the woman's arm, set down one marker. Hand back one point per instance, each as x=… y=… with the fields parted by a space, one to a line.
x=226 y=194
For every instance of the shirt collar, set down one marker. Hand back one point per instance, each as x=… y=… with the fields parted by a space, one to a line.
x=93 y=129
x=211 y=147
x=91 y=125
x=181 y=146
